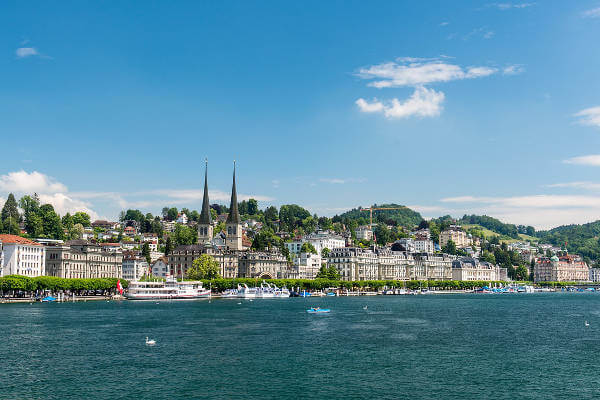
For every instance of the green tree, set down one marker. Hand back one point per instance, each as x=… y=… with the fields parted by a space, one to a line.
x=333 y=273
x=146 y=252
x=172 y=214
x=10 y=215
x=308 y=248
x=168 y=246
x=184 y=234
x=521 y=273
x=252 y=207
x=82 y=218
x=76 y=232
x=383 y=234
x=449 y=247
x=204 y=267
x=51 y=222
x=325 y=252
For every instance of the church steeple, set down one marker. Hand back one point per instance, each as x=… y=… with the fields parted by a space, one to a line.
x=234 y=222
x=205 y=227
x=234 y=214
x=205 y=217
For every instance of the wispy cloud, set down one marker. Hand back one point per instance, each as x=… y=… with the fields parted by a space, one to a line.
x=593 y=13
x=510 y=6
x=445 y=23
x=515 y=69
x=341 y=181
x=589 y=116
x=24 y=52
x=416 y=72
x=423 y=103
x=576 y=185
x=592 y=159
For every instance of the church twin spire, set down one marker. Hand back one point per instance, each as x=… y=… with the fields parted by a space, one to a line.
x=234 y=214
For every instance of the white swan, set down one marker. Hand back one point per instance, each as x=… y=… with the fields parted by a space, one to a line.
x=587 y=323
x=365 y=307
x=150 y=342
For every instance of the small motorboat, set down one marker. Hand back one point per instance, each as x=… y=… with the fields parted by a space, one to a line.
x=48 y=299
x=318 y=310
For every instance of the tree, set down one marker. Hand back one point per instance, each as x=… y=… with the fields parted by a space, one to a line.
x=204 y=267
x=183 y=235
x=271 y=215
x=449 y=247
x=308 y=248
x=84 y=219
x=10 y=214
x=333 y=273
x=146 y=252
x=52 y=225
x=521 y=273
x=76 y=232
x=172 y=214
x=168 y=246
x=325 y=252
x=252 y=207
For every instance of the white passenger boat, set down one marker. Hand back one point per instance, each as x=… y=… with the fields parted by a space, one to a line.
x=170 y=289
x=245 y=292
x=230 y=293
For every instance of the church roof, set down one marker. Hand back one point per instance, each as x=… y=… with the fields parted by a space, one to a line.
x=234 y=214
x=205 y=217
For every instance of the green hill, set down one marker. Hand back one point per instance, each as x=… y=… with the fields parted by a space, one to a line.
x=402 y=217
x=579 y=239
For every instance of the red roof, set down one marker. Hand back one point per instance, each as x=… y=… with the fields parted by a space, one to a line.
x=13 y=239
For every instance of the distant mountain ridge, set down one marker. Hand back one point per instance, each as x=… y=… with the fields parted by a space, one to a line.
x=402 y=217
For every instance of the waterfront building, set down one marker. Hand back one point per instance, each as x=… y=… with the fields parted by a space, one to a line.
x=471 y=269
x=134 y=266
x=393 y=265
x=21 y=256
x=307 y=265
x=594 y=274
x=566 y=268
x=263 y=264
x=432 y=266
x=456 y=234
x=354 y=264
x=83 y=259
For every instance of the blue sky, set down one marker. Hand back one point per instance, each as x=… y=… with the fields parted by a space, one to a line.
x=448 y=107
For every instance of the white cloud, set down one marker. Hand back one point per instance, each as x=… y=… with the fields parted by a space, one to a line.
x=417 y=72
x=422 y=103
x=445 y=23
x=593 y=13
x=341 y=181
x=63 y=204
x=489 y=34
x=576 y=185
x=541 y=211
x=275 y=183
x=29 y=183
x=592 y=159
x=23 y=52
x=509 y=6
x=589 y=116
x=513 y=70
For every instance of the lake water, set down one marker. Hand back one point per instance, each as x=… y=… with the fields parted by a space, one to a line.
x=526 y=346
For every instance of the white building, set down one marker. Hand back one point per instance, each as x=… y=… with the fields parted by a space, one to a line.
x=307 y=265
x=160 y=267
x=134 y=267
x=424 y=245
x=364 y=233
x=471 y=269
x=22 y=257
x=594 y=274
x=319 y=241
x=354 y=264
x=182 y=219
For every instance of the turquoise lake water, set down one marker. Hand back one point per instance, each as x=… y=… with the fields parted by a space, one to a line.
x=526 y=346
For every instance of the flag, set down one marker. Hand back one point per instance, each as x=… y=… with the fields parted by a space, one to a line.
x=119 y=287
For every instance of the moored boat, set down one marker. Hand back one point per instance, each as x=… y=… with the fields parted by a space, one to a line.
x=170 y=289
x=318 y=310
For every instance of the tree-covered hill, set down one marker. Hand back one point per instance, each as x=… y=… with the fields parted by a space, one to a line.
x=496 y=225
x=579 y=239
x=402 y=217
